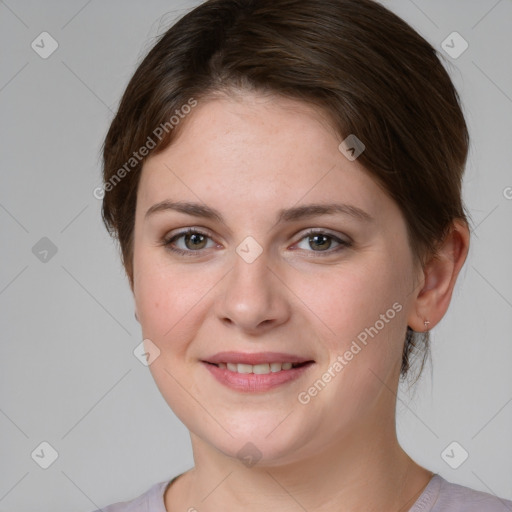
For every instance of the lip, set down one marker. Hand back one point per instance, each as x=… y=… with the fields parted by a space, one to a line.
x=255 y=358
x=254 y=382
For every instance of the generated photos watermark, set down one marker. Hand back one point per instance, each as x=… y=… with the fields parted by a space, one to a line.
x=304 y=397
x=143 y=151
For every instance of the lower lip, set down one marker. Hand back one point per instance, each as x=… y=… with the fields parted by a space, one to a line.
x=254 y=382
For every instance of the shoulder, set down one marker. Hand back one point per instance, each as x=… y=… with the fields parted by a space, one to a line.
x=459 y=498
x=150 y=500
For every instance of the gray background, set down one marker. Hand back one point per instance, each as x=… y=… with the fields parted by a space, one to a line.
x=68 y=374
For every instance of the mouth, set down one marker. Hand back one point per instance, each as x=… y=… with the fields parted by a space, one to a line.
x=256 y=372
x=259 y=369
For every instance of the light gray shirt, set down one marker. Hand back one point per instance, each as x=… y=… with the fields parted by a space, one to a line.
x=439 y=496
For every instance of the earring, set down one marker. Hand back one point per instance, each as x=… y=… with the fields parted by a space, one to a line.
x=426 y=322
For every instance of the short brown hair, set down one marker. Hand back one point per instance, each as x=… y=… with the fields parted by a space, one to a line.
x=367 y=69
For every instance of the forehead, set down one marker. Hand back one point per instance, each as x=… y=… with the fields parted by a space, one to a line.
x=257 y=151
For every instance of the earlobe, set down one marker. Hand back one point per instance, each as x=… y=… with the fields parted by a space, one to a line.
x=440 y=275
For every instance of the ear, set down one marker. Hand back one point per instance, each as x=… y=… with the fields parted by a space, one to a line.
x=438 y=278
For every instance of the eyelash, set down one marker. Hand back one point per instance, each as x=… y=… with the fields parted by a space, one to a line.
x=344 y=244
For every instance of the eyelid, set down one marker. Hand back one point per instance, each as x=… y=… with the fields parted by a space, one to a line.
x=184 y=231
x=324 y=231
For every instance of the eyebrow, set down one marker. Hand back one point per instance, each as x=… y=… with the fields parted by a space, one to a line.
x=285 y=215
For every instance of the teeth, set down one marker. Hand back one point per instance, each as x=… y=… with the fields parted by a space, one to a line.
x=260 y=369
x=244 y=368
x=275 y=367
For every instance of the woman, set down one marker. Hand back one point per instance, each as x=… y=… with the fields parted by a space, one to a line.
x=284 y=179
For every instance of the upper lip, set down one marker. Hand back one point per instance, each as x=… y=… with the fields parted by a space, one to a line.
x=255 y=358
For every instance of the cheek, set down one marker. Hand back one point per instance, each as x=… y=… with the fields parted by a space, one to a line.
x=364 y=308
x=163 y=296
x=169 y=305
x=163 y=293
x=364 y=311
x=349 y=301
x=173 y=302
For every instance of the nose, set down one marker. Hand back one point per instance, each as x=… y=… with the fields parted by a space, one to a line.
x=253 y=297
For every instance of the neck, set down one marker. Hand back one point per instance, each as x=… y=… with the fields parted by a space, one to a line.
x=367 y=470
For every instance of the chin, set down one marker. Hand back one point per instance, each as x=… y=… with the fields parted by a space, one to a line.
x=258 y=443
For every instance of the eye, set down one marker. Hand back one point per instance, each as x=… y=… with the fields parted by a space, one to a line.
x=320 y=241
x=193 y=241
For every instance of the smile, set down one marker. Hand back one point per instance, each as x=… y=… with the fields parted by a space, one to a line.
x=255 y=378
x=260 y=369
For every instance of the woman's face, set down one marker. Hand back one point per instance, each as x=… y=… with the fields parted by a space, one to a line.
x=253 y=282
